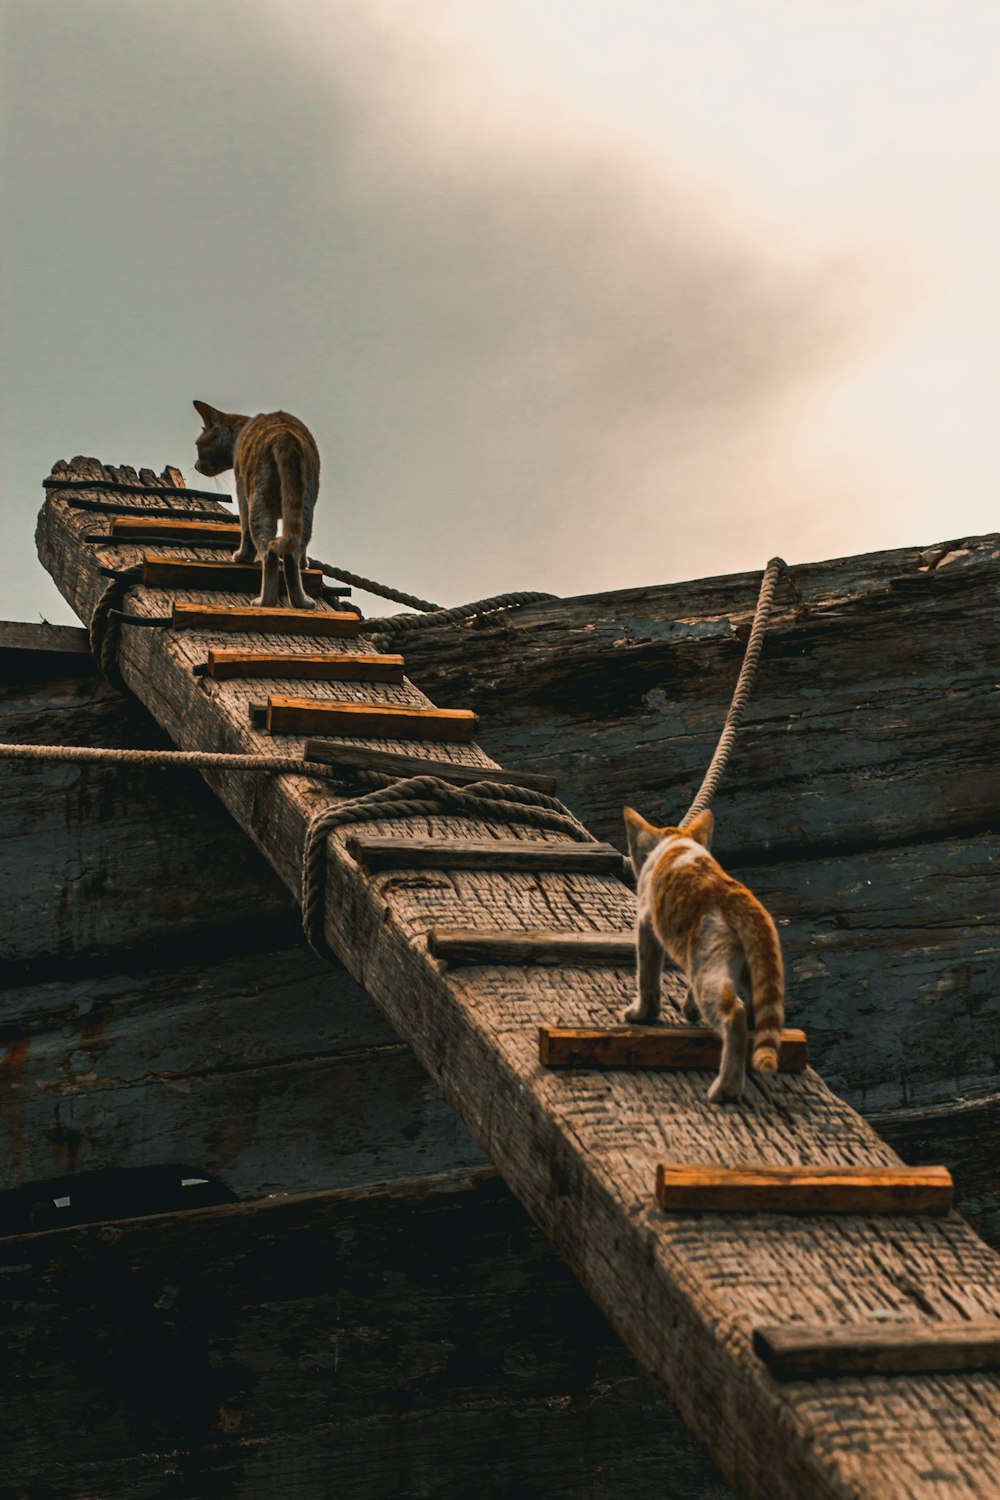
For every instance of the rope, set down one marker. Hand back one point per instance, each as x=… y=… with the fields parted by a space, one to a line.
x=419 y=797
x=198 y=760
x=382 y=590
x=105 y=628
x=394 y=625
x=741 y=694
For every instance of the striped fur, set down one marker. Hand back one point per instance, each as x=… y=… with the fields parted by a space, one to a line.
x=718 y=933
x=276 y=466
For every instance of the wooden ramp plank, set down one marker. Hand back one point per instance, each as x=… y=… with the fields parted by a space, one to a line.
x=468 y=945
x=286 y=715
x=651 y=1047
x=485 y=854
x=225 y=617
x=683 y=1290
x=706 y=1188
x=229 y=577
x=317 y=666
x=808 y=1351
x=364 y=758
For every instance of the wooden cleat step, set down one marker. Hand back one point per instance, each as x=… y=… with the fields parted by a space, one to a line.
x=231 y=577
x=187 y=616
x=651 y=1047
x=317 y=666
x=179 y=530
x=808 y=1351
x=485 y=854
x=804 y=1190
x=287 y=715
x=361 y=758
x=532 y=946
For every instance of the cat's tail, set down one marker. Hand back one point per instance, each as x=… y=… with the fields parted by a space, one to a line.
x=762 y=948
x=299 y=485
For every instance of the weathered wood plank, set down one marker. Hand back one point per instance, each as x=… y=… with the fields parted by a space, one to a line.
x=762 y=1189
x=364 y=758
x=651 y=1047
x=485 y=854
x=143 y=529
x=230 y=577
x=35 y=653
x=320 y=666
x=799 y=1351
x=263 y=621
x=413 y=1340
x=289 y=715
x=533 y=946
x=581 y=1149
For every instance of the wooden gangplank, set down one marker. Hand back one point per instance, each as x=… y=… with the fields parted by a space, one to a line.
x=685 y=1290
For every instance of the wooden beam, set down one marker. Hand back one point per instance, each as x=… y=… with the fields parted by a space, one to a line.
x=227 y=617
x=536 y=855
x=808 y=1351
x=468 y=945
x=286 y=715
x=706 y=1188
x=364 y=758
x=650 y=1047
x=141 y=528
x=316 y=666
x=231 y=577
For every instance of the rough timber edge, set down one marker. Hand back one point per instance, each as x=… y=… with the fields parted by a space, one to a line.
x=697 y=1347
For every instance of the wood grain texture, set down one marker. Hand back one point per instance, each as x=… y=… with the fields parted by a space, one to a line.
x=798 y=1351
x=417 y=1340
x=319 y=666
x=186 y=615
x=581 y=1150
x=760 y=1189
x=216 y=577
x=301 y=716
x=364 y=758
x=484 y=854
x=651 y=1047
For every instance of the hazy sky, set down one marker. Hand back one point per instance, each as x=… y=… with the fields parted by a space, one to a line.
x=575 y=294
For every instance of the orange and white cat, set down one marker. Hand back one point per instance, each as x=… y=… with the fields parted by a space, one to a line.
x=718 y=933
x=276 y=465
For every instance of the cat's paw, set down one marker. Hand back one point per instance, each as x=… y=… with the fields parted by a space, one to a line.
x=724 y=1091
x=305 y=603
x=640 y=1015
x=691 y=1011
x=239 y=556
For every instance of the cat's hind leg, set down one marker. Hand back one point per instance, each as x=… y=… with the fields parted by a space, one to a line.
x=246 y=552
x=722 y=1008
x=293 y=583
x=649 y=967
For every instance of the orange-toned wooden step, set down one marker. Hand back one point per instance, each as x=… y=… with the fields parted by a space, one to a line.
x=804 y=1190
x=179 y=531
x=317 y=666
x=315 y=622
x=237 y=578
x=286 y=715
x=650 y=1047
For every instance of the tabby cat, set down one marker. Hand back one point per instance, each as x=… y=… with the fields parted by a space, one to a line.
x=276 y=463
x=718 y=933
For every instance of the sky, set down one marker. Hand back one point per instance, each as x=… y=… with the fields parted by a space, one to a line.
x=574 y=295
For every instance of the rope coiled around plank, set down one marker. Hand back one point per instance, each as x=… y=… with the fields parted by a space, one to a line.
x=742 y=691
x=420 y=797
x=104 y=628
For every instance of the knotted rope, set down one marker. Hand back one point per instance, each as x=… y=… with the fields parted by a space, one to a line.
x=420 y=797
x=741 y=694
x=105 y=626
x=394 y=625
x=198 y=760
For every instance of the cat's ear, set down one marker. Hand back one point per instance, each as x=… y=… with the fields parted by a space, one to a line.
x=701 y=829
x=642 y=837
x=208 y=414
